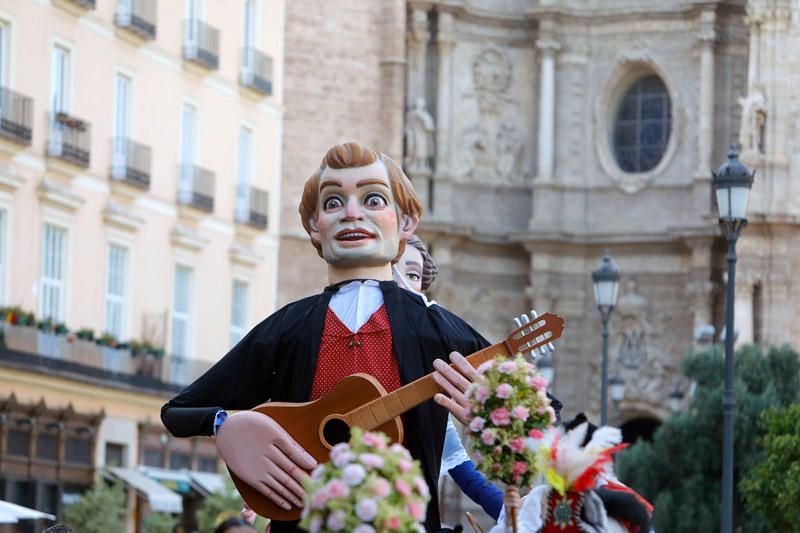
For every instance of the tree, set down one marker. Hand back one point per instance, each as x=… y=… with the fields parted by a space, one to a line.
x=159 y=523
x=100 y=510
x=680 y=471
x=222 y=505
x=771 y=488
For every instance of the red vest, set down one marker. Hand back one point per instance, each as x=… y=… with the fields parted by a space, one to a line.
x=368 y=351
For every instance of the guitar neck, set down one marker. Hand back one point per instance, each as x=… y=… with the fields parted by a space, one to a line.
x=379 y=411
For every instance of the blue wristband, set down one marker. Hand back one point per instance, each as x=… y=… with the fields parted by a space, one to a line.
x=219 y=418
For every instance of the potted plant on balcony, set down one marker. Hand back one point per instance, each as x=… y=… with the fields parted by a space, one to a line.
x=50 y=338
x=85 y=334
x=147 y=356
x=115 y=354
x=19 y=336
x=70 y=121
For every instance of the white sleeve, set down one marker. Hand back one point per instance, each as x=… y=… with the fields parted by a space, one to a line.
x=453 y=453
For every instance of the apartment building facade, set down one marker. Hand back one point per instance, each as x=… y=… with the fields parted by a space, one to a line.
x=140 y=149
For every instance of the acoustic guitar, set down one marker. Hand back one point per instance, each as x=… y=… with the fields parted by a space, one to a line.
x=361 y=401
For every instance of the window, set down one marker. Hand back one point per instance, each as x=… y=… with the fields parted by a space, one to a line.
x=244 y=173
x=249 y=23
x=642 y=125
x=116 y=291
x=47 y=446
x=181 y=311
x=54 y=251
x=188 y=133
x=115 y=454
x=153 y=457
x=178 y=460
x=238 y=311
x=207 y=464
x=3 y=253
x=19 y=442
x=59 y=94
x=122 y=105
x=78 y=451
x=4 y=54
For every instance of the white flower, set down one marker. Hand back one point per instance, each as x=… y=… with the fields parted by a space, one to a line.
x=354 y=474
x=364 y=528
x=335 y=521
x=367 y=510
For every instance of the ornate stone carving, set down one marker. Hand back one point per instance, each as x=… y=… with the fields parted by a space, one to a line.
x=754 y=121
x=419 y=139
x=492 y=74
x=509 y=151
x=491 y=153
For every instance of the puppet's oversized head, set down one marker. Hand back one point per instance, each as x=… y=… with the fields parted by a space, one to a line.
x=359 y=207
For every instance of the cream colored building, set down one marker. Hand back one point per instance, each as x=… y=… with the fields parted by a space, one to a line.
x=140 y=155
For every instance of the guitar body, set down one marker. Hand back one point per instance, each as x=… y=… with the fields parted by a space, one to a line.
x=317 y=426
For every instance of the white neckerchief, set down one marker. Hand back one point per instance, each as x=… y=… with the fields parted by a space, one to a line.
x=355 y=302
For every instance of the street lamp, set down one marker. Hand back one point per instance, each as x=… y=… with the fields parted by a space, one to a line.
x=732 y=184
x=676 y=398
x=606 y=288
x=617 y=386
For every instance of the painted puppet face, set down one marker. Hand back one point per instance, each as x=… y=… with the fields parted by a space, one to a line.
x=410 y=267
x=357 y=218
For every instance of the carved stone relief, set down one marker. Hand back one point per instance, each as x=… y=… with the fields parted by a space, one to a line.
x=419 y=139
x=754 y=121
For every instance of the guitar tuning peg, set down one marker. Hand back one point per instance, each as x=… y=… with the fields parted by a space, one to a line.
x=524 y=318
x=517 y=322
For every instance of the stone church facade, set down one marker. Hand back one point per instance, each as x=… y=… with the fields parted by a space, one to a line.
x=542 y=132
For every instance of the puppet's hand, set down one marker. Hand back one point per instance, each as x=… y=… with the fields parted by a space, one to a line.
x=455 y=383
x=263 y=455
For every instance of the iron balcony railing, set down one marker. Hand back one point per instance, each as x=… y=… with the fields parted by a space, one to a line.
x=196 y=188
x=70 y=139
x=256 y=71
x=201 y=44
x=138 y=16
x=251 y=206
x=130 y=162
x=16 y=116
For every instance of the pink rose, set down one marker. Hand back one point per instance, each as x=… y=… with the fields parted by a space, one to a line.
x=538 y=383
x=496 y=467
x=483 y=368
x=403 y=488
x=335 y=521
x=541 y=409
x=393 y=523
x=364 y=528
x=421 y=486
x=416 y=511
x=354 y=474
x=482 y=393
x=371 y=460
x=320 y=498
x=337 y=489
x=520 y=412
x=404 y=465
x=504 y=390
x=500 y=417
x=520 y=468
x=517 y=444
x=487 y=437
x=381 y=488
x=536 y=434
x=367 y=510
x=477 y=457
x=507 y=367
x=398 y=449
x=371 y=439
x=476 y=425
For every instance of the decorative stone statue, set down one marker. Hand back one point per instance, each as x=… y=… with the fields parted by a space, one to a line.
x=754 y=121
x=419 y=139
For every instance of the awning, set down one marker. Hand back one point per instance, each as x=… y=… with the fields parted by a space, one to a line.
x=11 y=513
x=161 y=499
x=175 y=480
x=206 y=483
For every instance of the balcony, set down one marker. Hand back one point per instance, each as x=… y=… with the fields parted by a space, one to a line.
x=196 y=188
x=256 y=71
x=201 y=44
x=251 y=206
x=86 y=4
x=138 y=16
x=16 y=117
x=130 y=162
x=70 y=139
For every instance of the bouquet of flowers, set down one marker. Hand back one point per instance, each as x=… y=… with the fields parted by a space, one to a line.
x=367 y=487
x=510 y=409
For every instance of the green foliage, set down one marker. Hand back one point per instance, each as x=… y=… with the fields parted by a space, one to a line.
x=159 y=523
x=100 y=510
x=680 y=471
x=220 y=506
x=772 y=487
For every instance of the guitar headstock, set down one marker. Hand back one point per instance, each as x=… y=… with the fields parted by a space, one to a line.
x=522 y=320
x=538 y=333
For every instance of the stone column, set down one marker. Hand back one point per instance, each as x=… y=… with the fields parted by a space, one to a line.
x=743 y=311
x=393 y=66
x=547 y=108
x=707 y=39
x=443 y=179
x=417 y=43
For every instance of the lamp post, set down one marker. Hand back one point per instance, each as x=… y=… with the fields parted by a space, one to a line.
x=606 y=288
x=732 y=184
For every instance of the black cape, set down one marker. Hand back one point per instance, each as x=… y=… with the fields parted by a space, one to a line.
x=277 y=361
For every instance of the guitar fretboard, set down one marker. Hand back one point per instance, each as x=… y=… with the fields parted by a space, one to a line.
x=379 y=411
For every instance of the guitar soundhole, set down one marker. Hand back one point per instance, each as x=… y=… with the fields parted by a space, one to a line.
x=336 y=431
